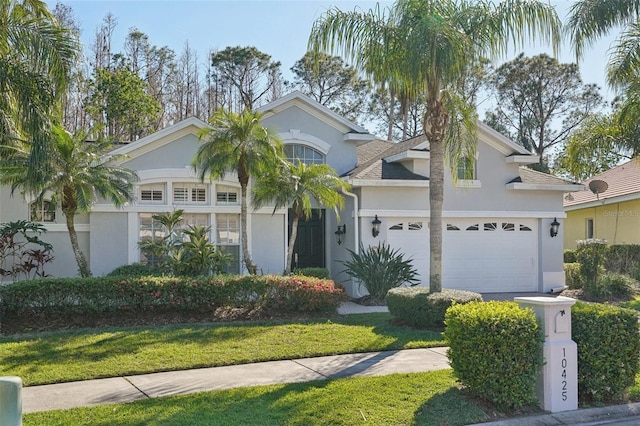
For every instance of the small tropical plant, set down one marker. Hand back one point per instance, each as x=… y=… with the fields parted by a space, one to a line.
x=380 y=268
x=184 y=252
x=22 y=252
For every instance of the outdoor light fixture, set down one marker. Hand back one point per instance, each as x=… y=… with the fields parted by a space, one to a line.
x=555 y=225
x=376 y=227
x=342 y=230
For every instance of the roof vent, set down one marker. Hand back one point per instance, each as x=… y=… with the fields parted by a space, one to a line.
x=598 y=187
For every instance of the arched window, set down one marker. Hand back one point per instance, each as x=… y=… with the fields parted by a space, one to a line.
x=297 y=152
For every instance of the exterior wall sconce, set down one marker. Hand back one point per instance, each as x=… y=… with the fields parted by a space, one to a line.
x=555 y=225
x=342 y=230
x=375 y=230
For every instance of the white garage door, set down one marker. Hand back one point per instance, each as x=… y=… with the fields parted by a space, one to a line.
x=484 y=255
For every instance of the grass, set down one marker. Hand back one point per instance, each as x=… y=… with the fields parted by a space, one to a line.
x=400 y=399
x=55 y=357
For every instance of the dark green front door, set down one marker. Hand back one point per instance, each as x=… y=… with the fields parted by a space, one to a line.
x=309 y=248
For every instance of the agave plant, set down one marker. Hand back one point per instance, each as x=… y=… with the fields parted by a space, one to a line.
x=381 y=268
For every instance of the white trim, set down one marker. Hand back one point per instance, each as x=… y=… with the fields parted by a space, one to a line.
x=468 y=183
x=544 y=187
x=170 y=134
x=133 y=236
x=358 y=137
x=409 y=154
x=604 y=201
x=62 y=227
x=522 y=159
x=295 y=135
x=499 y=141
x=390 y=182
x=297 y=98
x=464 y=214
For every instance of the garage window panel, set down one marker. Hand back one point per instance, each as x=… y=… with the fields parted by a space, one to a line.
x=396 y=227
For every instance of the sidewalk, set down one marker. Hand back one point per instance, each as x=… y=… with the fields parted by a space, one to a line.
x=132 y=388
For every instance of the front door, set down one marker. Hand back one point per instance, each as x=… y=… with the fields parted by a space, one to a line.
x=309 y=248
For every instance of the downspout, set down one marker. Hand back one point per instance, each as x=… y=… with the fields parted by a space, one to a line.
x=355 y=219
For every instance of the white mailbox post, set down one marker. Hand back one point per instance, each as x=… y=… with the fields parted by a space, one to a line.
x=557 y=385
x=10 y=401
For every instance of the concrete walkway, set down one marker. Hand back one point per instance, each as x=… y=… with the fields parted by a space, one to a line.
x=133 y=388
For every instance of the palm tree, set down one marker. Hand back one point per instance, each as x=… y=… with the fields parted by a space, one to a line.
x=76 y=174
x=36 y=56
x=237 y=142
x=297 y=185
x=590 y=20
x=427 y=45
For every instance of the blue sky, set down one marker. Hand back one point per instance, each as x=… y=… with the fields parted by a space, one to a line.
x=277 y=27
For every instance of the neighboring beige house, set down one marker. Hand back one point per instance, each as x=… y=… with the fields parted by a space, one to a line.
x=496 y=219
x=613 y=214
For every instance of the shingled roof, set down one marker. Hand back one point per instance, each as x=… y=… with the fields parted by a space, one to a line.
x=371 y=164
x=534 y=177
x=623 y=180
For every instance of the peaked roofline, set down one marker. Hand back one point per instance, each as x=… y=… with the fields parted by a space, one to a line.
x=296 y=95
x=140 y=143
x=499 y=137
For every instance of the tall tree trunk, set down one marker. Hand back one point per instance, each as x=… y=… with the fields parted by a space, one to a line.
x=435 y=125
x=292 y=242
x=81 y=260
x=251 y=267
x=392 y=97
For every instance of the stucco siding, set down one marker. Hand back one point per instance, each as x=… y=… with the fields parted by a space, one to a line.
x=342 y=156
x=175 y=154
x=394 y=198
x=268 y=242
x=64 y=263
x=109 y=242
x=618 y=223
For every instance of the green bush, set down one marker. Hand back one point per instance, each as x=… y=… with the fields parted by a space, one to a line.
x=133 y=270
x=611 y=286
x=608 y=350
x=322 y=273
x=569 y=256
x=623 y=258
x=495 y=348
x=572 y=275
x=112 y=296
x=417 y=307
x=591 y=256
x=380 y=268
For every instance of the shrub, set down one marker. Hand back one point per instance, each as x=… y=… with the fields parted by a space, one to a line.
x=608 y=350
x=495 y=348
x=623 y=258
x=46 y=300
x=380 y=268
x=322 y=273
x=416 y=306
x=133 y=270
x=572 y=275
x=611 y=286
x=569 y=256
x=23 y=255
x=591 y=255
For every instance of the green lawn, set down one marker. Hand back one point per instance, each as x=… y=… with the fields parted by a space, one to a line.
x=41 y=358
x=400 y=399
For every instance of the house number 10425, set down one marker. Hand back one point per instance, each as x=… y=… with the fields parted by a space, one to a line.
x=564 y=374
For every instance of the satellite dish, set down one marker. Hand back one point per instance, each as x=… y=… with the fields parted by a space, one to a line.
x=598 y=187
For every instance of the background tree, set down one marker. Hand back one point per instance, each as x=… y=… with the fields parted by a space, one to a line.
x=539 y=101
x=36 y=56
x=76 y=175
x=331 y=82
x=118 y=102
x=298 y=185
x=429 y=46
x=248 y=74
x=237 y=142
x=600 y=143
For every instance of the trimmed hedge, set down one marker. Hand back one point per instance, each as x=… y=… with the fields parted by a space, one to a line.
x=608 y=342
x=112 y=296
x=495 y=348
x=569 y=256
x=623 y=259
x=133 y=270
x=322 y=273
x=417 y=307
x=572 y=275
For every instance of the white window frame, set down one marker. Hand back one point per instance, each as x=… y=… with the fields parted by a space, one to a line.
x=154 y=190
x=44 y=212
x=194 y=193
x=231 y=194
